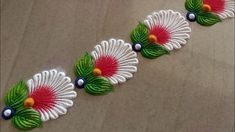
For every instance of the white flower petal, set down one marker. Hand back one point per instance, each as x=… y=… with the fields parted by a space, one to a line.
x=98 y=49
x=52 y=114
x=175 y=24
x=175 y=44
x=37 y=79
x=129 y=55
x=133 y=61
x=61 y=108
x=60 y=85
x=59 y=81
x=30 y=84
x=120 y=78
x=44 y=115
x=113 y=80
x=67 y=87
x=168 y=46
x=124 y=55
x=94 y=54
x=128 y=68
x=44 y=77
x=125 y=74
x=229 y=9
x=65 y=102
x=67 y=95
x=52 y=76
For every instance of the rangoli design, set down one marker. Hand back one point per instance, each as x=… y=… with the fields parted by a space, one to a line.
x=209 y=12
x=46 y=96
x=49 y=93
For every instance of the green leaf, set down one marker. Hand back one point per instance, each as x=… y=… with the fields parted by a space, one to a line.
x=95 y=85
x=153 y=51
x=16 y=96
x=98 y=86
x=140 y=34
x=193 y=5
x=26 y=119
x=84 y=66
x=207 y=19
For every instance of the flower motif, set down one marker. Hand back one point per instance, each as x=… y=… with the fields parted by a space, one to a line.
x=22 y=118
x=50 y=93
x=168 y=28
x=44 y=97
x=115 y=60
x=209 y=12
x=160 y=33
x=93 y=84
x=111 y=62
x=223 y=8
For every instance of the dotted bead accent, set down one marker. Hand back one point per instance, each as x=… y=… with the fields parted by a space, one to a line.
x=191 y=16
x=137 y=47
x=7 y=113
x=80 y=82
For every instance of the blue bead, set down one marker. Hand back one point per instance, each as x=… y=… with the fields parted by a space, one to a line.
x=191 y=16
x=7 y=117
x=78 y=82
x=135 y=48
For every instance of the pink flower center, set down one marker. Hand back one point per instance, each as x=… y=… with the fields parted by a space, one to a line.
x=44 y=98
x=108 y=65
x=161 y=33
x=217 y=6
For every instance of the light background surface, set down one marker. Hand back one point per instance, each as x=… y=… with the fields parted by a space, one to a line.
x=190 y=90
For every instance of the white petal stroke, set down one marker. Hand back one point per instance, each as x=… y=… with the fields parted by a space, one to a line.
x=61 y=86
x=175 y=23
x=229 y=9
x=122 y=52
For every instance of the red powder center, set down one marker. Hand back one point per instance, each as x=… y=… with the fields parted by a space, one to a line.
x=217 y=6
x=108 y=65
x=44 y=98
x=161 y=33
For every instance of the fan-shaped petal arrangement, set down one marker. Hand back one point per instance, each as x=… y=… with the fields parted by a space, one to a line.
x=111 y=62
x=160 y=33
x=50 y=93
x=46 y=96
x=209 y=12
x=115 y=60
x=168 y=28
x=223 y=8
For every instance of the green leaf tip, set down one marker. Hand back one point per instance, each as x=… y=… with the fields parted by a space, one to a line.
x=140 y=34
x=193 y=5
x=26 y=119
x=16 y=95
x=153 y=51
x=98 y=86
x=207 y=19
x=84 y=66
x=95 y=85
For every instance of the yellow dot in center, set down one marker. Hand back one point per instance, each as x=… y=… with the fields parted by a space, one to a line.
x=152 y=38
x=97 y=72
x=206 y=8
x=29 y=102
